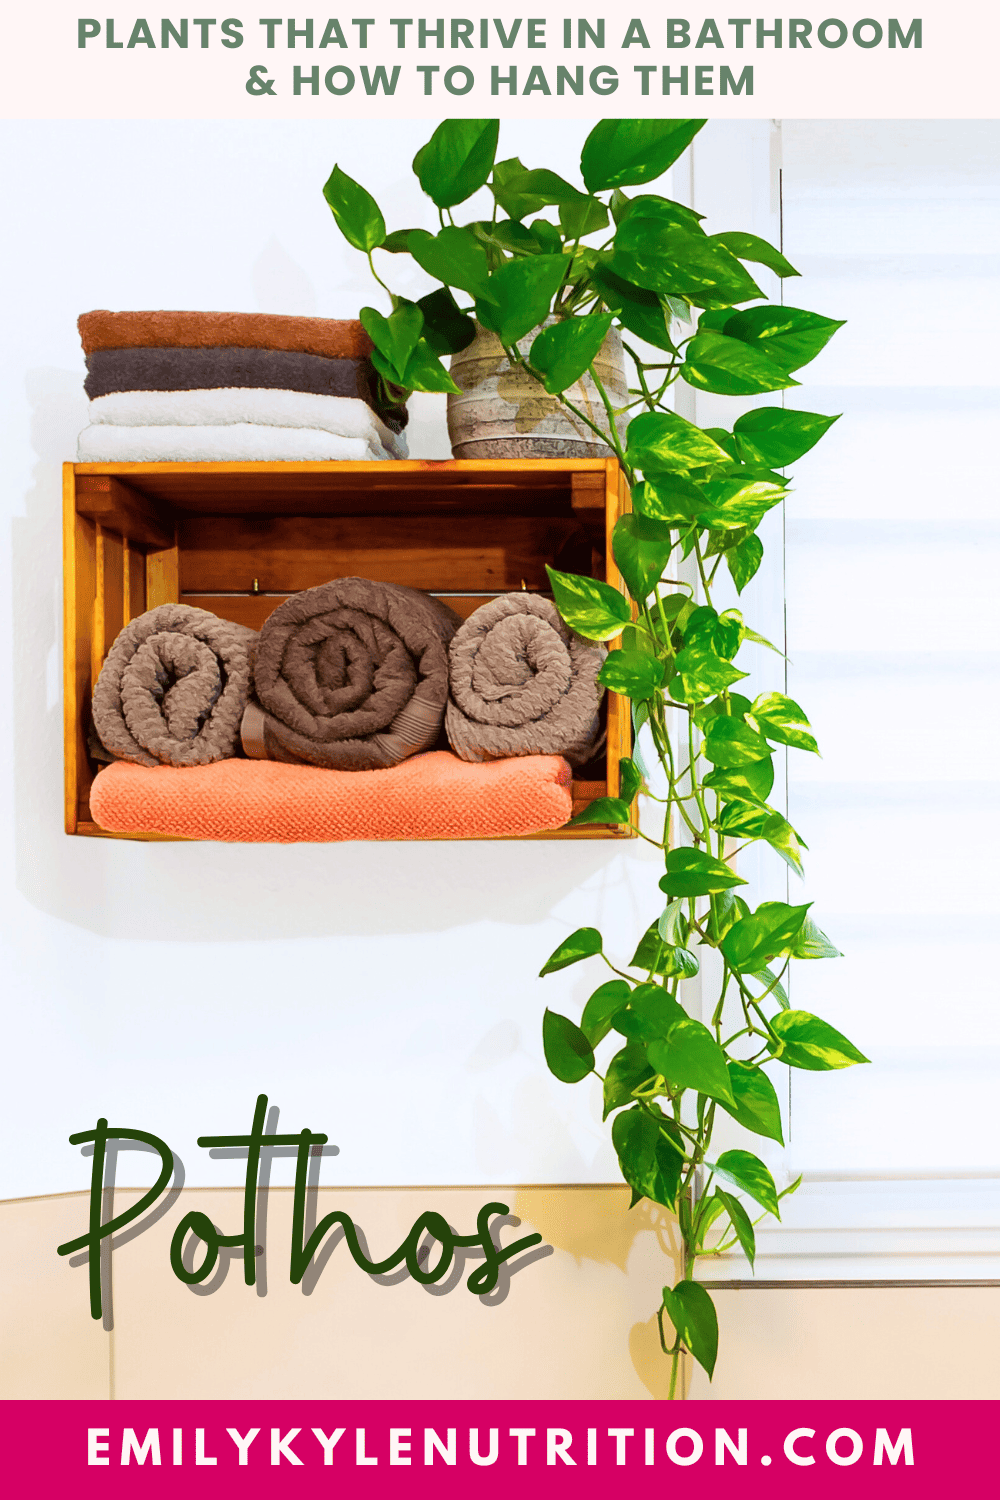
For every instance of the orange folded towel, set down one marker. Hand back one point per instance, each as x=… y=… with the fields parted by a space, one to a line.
x=335 y=338
x=432 y=796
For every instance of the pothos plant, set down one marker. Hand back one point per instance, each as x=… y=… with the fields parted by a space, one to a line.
x=643 y=263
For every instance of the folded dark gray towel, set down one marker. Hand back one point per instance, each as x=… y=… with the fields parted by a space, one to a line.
x=112 y=370
x=523 y=683
x=173 y=688
x=351 y=675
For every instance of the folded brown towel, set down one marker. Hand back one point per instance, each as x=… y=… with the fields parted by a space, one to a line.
x=522 y=683
x=333 y=337
x=351 y=675
x=173 y=688
x=114 y=370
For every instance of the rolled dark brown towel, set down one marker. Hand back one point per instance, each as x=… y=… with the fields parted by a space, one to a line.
x=173 y=688
x=522 y=683
x=136 y=369
x=352 y=675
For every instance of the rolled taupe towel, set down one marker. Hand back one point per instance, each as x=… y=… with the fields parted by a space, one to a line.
x=352 y=675
x=522 y=683
x=173 y=688
x=161 y=369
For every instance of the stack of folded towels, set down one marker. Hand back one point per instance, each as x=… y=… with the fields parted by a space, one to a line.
x=352 y=676
x=207 y=386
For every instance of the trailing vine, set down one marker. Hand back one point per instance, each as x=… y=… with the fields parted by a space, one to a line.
x=644 y=264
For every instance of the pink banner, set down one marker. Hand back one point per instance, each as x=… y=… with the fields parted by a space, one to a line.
x=402 y=1449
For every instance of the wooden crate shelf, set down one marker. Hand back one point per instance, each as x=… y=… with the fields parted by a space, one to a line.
x=238 y=538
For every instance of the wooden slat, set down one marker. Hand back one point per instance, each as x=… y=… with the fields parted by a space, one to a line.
x=399 y=487
x=221 y=554
x=162 y=577
x=97 y=610
x=78 y=599
x=114 y=589
x=118 y=507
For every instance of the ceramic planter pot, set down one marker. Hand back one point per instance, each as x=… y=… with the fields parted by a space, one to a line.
x=502 y=412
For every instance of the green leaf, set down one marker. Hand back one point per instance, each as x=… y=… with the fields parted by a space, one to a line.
x=603 y=1005
x=672 y=924
x=701 y=672
x=583 y=943
x=548 y=236
x=639 y=311
x=690 y=1058
x=453 y=256
x=394 y=337
x=602 y=810
x=446 y=328
x=730 y=743
x=565 y=351
x=628 y=1070
x=626 y=153
x=737 y=502
x=665 y=211
x=568 y=1053
x=520 y=296
x=630 y=779
x=783 y=721
x=581 y=216
x=669 y=498
x=642 y=550
x=425 y=372
x=507 y=236
x=675 y=261
x=751 y=1176
x=729 y=909
x=741 y=820
x=660 y=441
x=692 y=1312
x=457 y=160
x=650 y=1163
x=736 y=707
x=755 y=1104
x=768 y=933
x=812 y=943
x=793 y=1187
x=650 y=1014
x=632 y=673
x=397 y=243
x=723 y=633
x=750 y=247
x=692 y=872
x=809 y=1043
x=749 y=783
x=788 y=336
x=727 y=366
x=658 y=957
x=740 y=1221
x=358 y=216
x=743 y=560
x=520 y=192
x=590 y=607
x=776 y=436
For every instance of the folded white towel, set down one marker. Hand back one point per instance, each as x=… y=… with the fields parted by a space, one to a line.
x=344 y=416
x=240 y=442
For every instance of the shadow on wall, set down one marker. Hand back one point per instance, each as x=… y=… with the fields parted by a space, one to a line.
x=214 y=892
x=596 y=1224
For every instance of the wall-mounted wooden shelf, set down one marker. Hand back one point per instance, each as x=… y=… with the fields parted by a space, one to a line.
x=238 y=538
